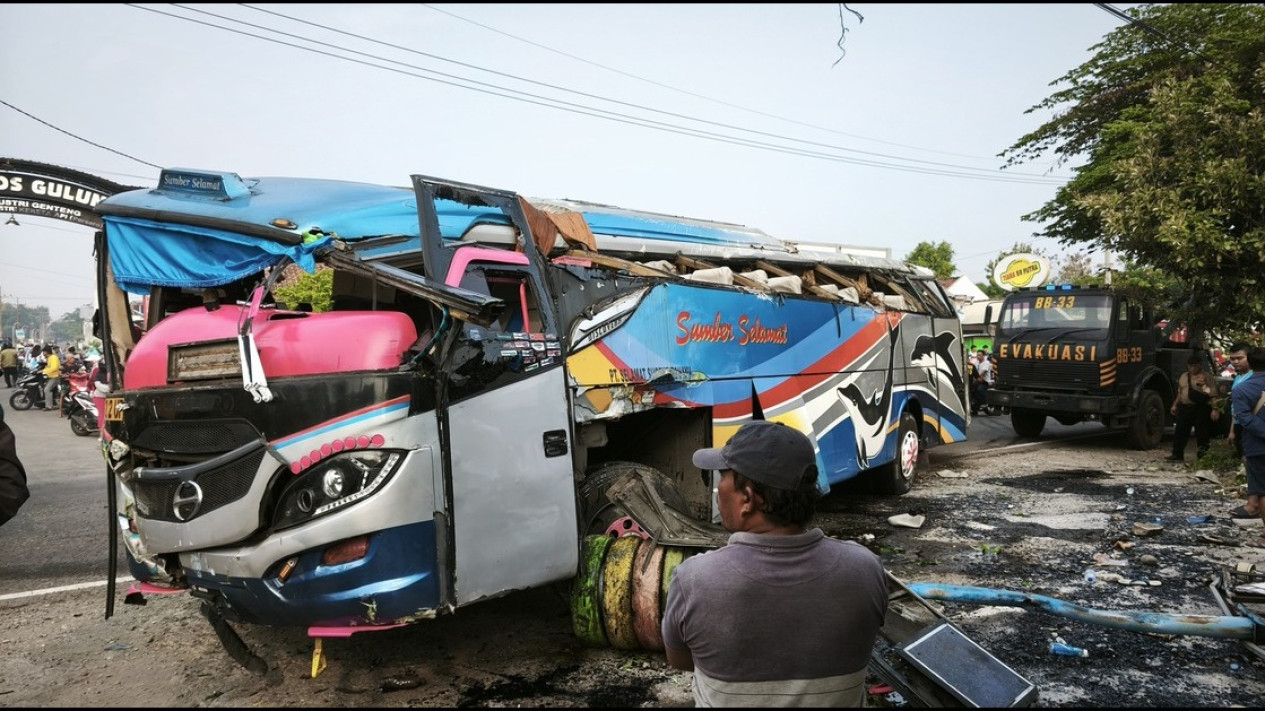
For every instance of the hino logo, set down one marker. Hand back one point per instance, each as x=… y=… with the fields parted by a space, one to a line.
x=187 y=501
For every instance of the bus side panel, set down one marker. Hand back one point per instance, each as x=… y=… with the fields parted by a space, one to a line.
x=841 y=373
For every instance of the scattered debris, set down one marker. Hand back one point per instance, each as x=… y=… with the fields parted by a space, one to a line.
x=1146 y=528
x=951 y=474
x=395 y=683
x=907 y=520
x=1104 y=559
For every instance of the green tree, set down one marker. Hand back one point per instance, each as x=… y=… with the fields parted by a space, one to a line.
x=299 y=287
x=990 y=289
x=1168 y=117
x=67 y=329
x=936 y=257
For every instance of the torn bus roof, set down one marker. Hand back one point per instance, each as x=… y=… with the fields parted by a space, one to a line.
x=286 y=210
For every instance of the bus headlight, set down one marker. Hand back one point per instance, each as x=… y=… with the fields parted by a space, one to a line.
x=333 y=484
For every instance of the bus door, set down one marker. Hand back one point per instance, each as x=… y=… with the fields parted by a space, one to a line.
x=509 y=491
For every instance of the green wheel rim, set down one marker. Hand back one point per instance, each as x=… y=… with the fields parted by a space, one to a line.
x=586 y=614
x=672 y=557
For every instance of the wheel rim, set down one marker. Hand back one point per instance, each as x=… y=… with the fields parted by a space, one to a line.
x=586 y=613
x=909 y=454
x=625 y=526
x=616 y=592
x=647 y=579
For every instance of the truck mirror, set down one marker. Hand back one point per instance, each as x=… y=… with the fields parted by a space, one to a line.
x=988 y=316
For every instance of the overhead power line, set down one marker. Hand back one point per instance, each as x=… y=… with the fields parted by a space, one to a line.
x=550 y=102
x=696 y=95
x=77 y=136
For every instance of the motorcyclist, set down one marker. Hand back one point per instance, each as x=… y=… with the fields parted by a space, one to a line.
x=52 y=371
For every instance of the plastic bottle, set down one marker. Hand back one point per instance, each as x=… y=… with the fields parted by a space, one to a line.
x=1067 y=650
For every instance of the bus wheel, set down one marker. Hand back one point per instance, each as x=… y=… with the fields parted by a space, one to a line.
x=897 y=477
x=647 y=579
x=586 y=606
x=616 y=589
x=600 y=515
x=672 y=557
x=1027 y=423
x=1147 y=428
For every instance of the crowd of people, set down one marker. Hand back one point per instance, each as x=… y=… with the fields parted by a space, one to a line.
x=51 y=360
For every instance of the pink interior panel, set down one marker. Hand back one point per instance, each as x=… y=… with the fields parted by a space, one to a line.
x=290 y=342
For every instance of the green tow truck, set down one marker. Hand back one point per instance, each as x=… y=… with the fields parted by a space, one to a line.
x=1082 y=354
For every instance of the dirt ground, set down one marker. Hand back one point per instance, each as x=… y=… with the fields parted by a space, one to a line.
x=1032 y=519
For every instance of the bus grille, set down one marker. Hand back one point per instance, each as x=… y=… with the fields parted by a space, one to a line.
x=202 y=437
x=220 y=487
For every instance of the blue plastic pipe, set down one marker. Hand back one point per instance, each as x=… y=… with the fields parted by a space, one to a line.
x=1223 y=627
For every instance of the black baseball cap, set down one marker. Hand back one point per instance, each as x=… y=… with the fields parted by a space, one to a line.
x=770 y=453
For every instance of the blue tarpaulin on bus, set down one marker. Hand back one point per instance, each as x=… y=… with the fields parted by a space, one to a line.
x=144 y=254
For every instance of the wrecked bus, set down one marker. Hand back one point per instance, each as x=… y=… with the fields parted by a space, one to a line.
x=499 y=388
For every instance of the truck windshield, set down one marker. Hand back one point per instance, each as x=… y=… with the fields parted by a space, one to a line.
x=1049 y=311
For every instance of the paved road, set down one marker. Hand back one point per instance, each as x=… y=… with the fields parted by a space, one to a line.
x=60 y=536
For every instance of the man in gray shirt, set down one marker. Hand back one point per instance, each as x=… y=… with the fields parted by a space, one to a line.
x=781 y=615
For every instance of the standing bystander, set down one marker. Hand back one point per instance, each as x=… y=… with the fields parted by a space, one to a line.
x=781 y=615
x=1193 y=408
x=9 y=363
x=983 y=381
x=1246 y=405
x=1242 y=371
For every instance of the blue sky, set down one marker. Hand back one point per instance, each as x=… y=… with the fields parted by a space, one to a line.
x=744 y=113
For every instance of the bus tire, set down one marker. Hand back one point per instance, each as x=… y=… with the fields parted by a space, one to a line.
x=598 y=512
x=586 y=605
x=1147 y=427
x=897 y=477
x=616 y=592
x=646 y=583
x=1027 y=423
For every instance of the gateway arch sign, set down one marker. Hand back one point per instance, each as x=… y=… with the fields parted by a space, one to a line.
x=44 y=190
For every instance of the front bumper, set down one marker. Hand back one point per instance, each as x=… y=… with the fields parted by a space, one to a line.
x=1056 y=403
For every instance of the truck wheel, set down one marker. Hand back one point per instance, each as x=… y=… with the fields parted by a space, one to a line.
x=1147 y=428
x=897 y=477
x=1027 y=423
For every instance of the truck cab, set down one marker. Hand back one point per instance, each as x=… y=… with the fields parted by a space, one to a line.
x=1084 y=353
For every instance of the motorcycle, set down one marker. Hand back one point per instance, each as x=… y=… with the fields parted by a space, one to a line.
x=82 y=411
x=29 y=391
x=71 y=383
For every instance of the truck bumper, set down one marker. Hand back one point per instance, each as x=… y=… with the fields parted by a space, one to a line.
x=1054 y=403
